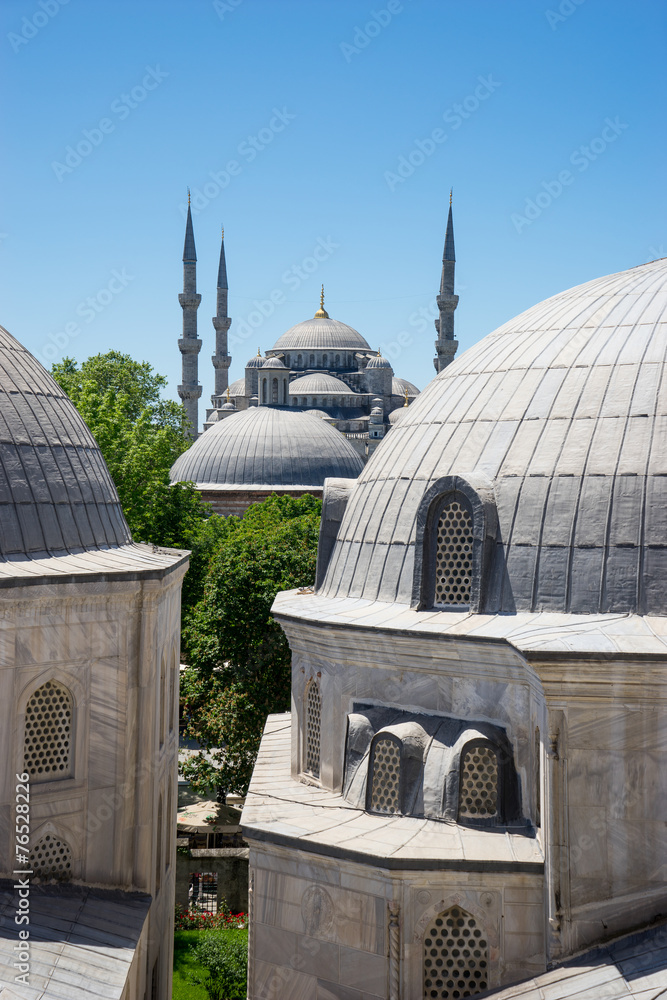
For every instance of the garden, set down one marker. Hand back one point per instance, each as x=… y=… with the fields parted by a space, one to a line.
x=210 y=955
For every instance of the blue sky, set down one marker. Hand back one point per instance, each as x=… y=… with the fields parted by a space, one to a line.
x=345 y=123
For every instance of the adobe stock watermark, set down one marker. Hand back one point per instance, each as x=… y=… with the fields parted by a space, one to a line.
x=222 y=7
x=121 y=107
x=363 y=36
x=454 y=117
x=32 y=25
x=87 y=310
x=293 y=278
x=247 y=150
x=565 y=9
x=581 y=158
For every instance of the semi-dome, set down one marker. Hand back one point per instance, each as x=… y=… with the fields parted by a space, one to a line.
x=399 y=385
x=557 y=422
x=263 y=446
x=237 y=388
x=318 y=384
x=319 y=334
x=57 y=495
x=378 y=362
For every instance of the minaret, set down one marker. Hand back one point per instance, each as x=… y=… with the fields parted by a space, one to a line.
x=189 y=345
x=221 y=322
x=445 y=345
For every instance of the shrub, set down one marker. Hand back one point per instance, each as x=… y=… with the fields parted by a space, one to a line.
x=224 y=956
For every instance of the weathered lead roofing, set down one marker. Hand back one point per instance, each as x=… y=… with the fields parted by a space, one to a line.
x=399 y=385
x=564 y=411
x=263 y=446
x=377 y=361
x=319 y=383
x=321 y=335
x=56 y=494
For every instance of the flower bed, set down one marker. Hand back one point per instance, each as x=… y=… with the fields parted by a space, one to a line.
x=192 y=920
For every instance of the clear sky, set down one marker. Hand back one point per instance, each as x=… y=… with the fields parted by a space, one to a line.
x=345 y=123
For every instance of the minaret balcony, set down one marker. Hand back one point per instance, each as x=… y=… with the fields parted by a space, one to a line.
x=189 y=300
x=189 y=345
x=189 y=391
x=447 y=302
x=221 y=361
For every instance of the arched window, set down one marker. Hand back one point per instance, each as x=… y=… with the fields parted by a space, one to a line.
x=287 y=361
x=299 y=361
x=51 y=858
x=538 y=779
x=478 y=789
x=312 y=360
x=47 y=746
x=456 y=956
x=274 y=391
x=337 y=362
x=312 y=728
x=453 y=556
x=265 y=390
x=158 y=848
x=384 y=795
x=325 y=360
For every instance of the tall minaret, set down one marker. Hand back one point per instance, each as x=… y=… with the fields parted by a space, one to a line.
x=189 y=345
x=221 y=322
x=445 y=345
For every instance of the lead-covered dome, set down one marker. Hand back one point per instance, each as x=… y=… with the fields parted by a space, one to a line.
x=56 y=494
x=563 y=413
x=319 y=334
x=263 y=446
x=320 y=384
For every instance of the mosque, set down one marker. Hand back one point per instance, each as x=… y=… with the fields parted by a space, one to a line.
x=316 y=406
x=470 y=790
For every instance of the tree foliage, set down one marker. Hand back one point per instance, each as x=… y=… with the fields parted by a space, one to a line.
x=140 y=436
x=224 y=957
x=238 y=656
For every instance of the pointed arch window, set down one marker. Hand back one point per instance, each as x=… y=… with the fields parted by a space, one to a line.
x=337 y=361
x=325 y=360
x=312 y=728
x=299 y=361
x=265 y=391
x=479 y=792
x=47 y=746
x=456 y=956
x=51 y=858
x=384 y=787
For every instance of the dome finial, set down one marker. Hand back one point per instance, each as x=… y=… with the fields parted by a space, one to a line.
x=406 y=394
x=259 y=353
x=404 y=404
x=321 y=312
x=188 y=197
x=450 y=196
x=223 y=232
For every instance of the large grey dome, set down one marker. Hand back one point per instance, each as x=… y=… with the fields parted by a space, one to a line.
x=263 y=446
x=321 y=335
x=56 y=494
x=563 y=412
x=318 y=383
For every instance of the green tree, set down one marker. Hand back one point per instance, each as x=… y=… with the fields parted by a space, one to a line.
x=238 y=656
x=140 y=436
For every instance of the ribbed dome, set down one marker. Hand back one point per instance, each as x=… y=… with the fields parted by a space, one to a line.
x=378 y=362
x=56 y=494
x=273 y=363
x=263 y=446
x=564 y=411
x=399 y=385
x=257 y=362
x=319 y=384
x=321 y=335
x=237 y=388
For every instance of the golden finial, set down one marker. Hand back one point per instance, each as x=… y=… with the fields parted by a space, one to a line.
x=223 y=232
x=450 y=197
x=188 y=197
x=406 y=399
x=321 y=312
x=259 y=353
x=228 y=393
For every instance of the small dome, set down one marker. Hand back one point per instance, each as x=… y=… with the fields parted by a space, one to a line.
x=238 y=388
x=396 y=415
x=378 y=362
x=321 y=335
x=263 y=446
x=319 y=384
x=274 y=363
x=399 y=385
x=257 y=362
x=561 y=411
x=320 y=414
x=56 y=494
x=227 y=406
x=376 y=411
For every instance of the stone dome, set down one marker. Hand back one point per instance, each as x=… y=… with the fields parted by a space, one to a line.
x=558 y=419
x=318 y=384
x=263 y=446
x=321 y=335
x=378 y=362
x=399 y=385
x=237 y=388
x=273 y=363
x=257 y=362
x=57 y=496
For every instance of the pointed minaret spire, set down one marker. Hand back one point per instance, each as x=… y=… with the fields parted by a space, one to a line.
x=445 y=345
x=321 y=312
x=189 y=345
x=221 y=324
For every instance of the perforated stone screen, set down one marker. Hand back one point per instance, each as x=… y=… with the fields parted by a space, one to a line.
x=453 y=559
x=313 y=719
x=48 y=732
x=455 y=957
x=386 y=777
x=51 y=858
x=478 y=797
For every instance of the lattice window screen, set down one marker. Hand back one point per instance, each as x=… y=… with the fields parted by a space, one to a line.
x=48 y=732
x=453 y=559
x=455 y=957
x=51 y=858
x=478 y=796
x=386 y=777
x=313 y=723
